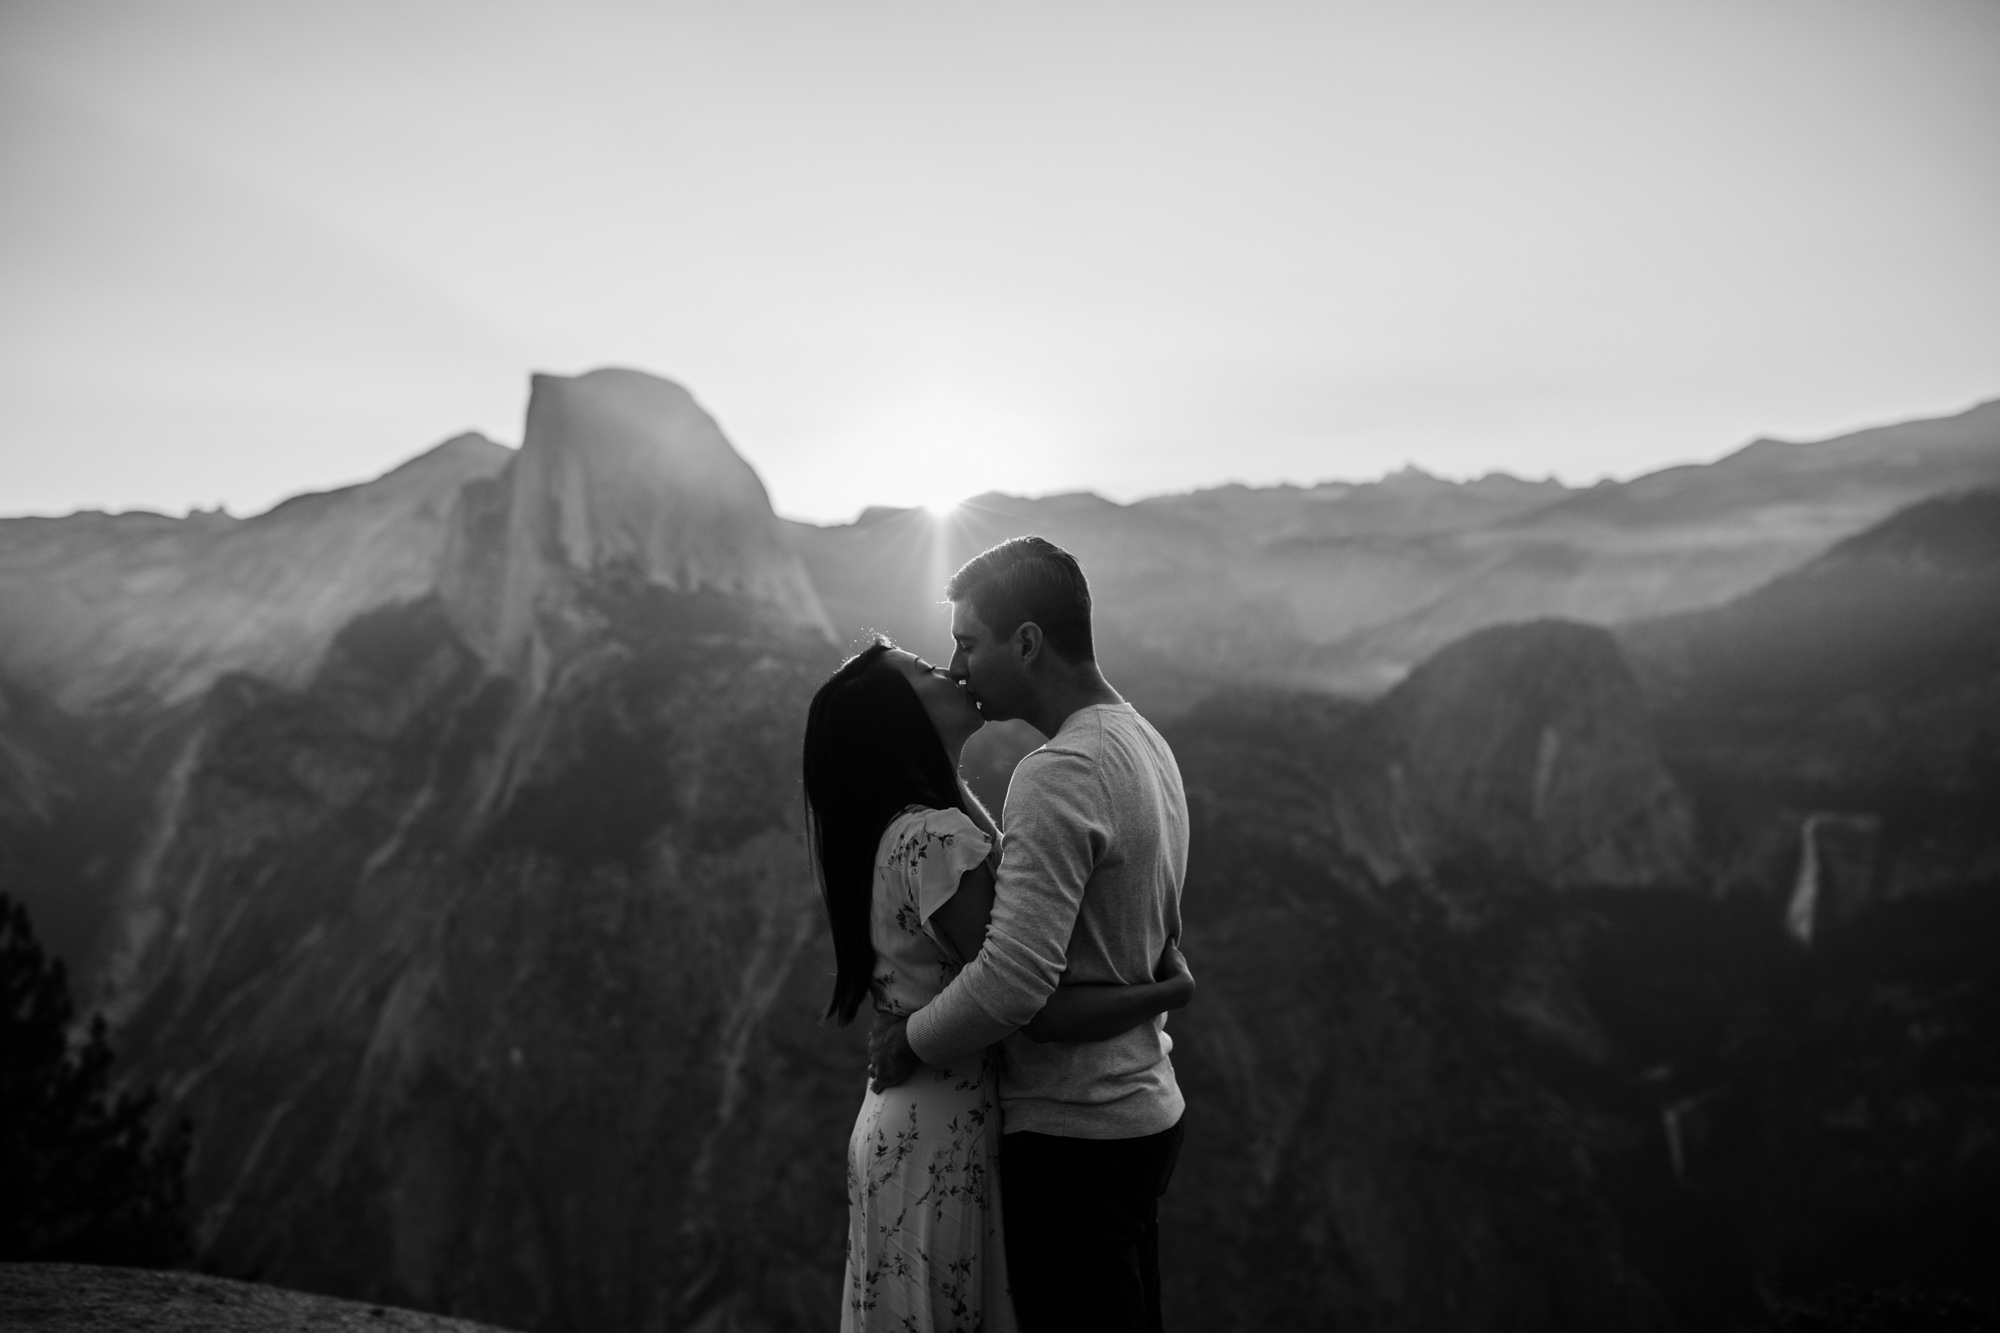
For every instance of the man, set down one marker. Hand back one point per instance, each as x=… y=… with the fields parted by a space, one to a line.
x=1088 y=892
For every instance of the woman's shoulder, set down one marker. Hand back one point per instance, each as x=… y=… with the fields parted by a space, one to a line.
x=918 y=827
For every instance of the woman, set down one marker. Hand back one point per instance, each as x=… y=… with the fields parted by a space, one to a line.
x=905 y=858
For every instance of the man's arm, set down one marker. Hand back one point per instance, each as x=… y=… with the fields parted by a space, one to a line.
x=1056 y=829
x=1091 y=1011
x=1055 y=833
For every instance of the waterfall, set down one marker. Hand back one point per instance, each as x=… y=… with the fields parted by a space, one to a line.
x=1803 y=910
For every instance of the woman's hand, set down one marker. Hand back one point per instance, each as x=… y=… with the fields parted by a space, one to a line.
x=890 y=1059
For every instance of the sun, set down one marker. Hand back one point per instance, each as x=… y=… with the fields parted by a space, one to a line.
x=936 y=448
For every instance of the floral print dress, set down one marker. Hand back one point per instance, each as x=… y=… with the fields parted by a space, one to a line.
x=924 y=1248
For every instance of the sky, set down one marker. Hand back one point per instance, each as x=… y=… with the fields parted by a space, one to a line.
x=912 y=250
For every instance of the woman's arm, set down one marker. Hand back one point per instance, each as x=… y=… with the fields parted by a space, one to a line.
x=1094 y=1012
x=964 y=915
x=962 y=920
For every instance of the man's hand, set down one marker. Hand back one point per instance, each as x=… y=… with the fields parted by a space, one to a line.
x=890 y=1059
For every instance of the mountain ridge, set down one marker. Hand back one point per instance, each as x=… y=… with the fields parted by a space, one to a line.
x=166 y=606
x=1347 y=587
x=111 y=611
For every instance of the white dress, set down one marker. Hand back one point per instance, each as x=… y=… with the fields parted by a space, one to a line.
x=924 y=1248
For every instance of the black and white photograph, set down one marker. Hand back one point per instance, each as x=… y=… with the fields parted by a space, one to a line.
x=906 y=666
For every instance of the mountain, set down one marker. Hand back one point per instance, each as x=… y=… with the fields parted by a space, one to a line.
x=462 y=907
x=1587 y=976
x=618 y=471
x=1838 y=733
x=1521 y=748
x=484 y=1001
x=1347 y=587
x=1689 y=537
x=1861 y=690
x=1366 y=1149
x=1701 y=1029
x=104 y=610
x=1182 y=584
x=1846 y=477
x=621 y=477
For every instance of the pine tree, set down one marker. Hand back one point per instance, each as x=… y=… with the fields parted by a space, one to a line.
x=82 y=1177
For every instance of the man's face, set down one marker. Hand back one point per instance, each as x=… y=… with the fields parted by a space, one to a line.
x=987 y=667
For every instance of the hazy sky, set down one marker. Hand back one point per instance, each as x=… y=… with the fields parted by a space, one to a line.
x=923 y=248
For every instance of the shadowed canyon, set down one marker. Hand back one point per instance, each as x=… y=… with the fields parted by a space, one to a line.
x=1593 y=892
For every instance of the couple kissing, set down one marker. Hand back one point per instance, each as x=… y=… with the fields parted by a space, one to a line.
x=1022 y=1119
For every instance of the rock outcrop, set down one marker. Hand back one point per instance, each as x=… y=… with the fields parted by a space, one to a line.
x=78 y=1298
x=1523 y=751
x=621 y=478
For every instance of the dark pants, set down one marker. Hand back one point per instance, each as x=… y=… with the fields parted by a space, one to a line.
x=1083 y=1229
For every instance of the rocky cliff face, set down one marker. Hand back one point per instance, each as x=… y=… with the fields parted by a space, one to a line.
x=621 y=476
x=1367 y=1149
x=1523 y=751
x=69 y=813
x=520 y=1058
x=474 y=931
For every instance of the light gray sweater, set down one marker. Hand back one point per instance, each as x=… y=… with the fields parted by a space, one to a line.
x=1089 y=890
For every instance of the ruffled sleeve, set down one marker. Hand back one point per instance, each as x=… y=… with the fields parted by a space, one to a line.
x=937 y=849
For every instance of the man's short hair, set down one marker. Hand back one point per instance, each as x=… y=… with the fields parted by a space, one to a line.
x=1029 y=578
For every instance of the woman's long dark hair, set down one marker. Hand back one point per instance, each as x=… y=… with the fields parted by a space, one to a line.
x=870 y=752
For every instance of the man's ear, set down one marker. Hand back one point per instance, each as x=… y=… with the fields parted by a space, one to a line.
x=1028 y=643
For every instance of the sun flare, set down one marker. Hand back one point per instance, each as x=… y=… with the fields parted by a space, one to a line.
x=936 y=449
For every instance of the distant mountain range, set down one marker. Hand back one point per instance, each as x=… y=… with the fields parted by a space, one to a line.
x=1337 y=586
x=434 y=844
x=1347 y=587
